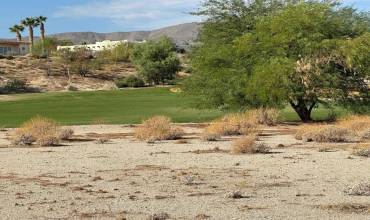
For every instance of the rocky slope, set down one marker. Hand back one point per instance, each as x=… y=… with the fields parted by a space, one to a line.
x=182 y=34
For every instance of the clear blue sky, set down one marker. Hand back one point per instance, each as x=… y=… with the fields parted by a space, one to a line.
x=106 y=15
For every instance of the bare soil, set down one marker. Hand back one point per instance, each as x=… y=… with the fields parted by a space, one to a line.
x=188 y=179
x=50 y=75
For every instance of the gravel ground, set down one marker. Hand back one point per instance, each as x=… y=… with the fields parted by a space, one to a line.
x=127 y=179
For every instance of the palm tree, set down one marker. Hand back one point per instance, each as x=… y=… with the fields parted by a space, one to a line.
x=30 y=23
x=41 y=21
x=17 y=29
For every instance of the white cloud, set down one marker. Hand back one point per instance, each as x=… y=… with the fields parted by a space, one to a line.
x=133 y=14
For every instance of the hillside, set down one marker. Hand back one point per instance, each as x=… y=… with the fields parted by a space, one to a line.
x=50 y=75
x=181 y=34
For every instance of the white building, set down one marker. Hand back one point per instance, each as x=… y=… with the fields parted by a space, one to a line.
x=98 y=46
x=11 y=48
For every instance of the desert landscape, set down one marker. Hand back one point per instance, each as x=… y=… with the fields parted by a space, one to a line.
x=106 y=172
x=185 y=110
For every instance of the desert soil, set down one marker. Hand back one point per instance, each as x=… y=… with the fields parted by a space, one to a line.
x=128 y=179
x=50 y=75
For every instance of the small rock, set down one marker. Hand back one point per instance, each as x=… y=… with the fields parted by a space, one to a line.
x=235 y=195
x=159 y=216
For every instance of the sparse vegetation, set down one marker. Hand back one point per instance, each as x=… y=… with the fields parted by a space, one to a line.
x=329 y=134
x=362 y=189
x=130 y=81
x=345 y=130
x=361 y=150
x=207 y=136
x=249 y=145
x=158 y=128
x=235 y=124
x=43 y=131
x=66 y=134
x=268 y=116
x=360 y=125
x=14 y=86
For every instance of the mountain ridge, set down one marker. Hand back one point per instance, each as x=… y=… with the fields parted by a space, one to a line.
x=181 y=34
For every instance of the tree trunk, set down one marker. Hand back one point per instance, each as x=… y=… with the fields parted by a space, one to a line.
x=303 y=110
x=30 y=29
x=42 y=31
x=19 y=36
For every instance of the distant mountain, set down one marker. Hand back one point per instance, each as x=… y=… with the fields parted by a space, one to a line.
x=182 y=35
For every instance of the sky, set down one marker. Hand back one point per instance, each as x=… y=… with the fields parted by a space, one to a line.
x=107 y=15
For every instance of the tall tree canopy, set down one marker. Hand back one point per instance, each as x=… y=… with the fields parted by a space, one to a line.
x=156 y=61
x=295 y=52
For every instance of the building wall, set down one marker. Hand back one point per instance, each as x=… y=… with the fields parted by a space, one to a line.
x=98 y=46
x=12 y=50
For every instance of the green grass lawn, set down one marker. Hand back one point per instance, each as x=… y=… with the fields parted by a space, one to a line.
x=115 y=107
x=111 y=107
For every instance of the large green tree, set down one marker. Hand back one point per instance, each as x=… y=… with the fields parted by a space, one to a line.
x=218 y=79
x=156 y=61
x=301 y=53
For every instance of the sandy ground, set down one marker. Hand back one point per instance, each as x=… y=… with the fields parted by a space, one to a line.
x=127 y=179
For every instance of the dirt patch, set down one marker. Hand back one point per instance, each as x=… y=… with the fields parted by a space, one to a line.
x=348 y=208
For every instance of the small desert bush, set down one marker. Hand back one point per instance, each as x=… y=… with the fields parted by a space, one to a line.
x=362 y=189
x=43 y=131
x=328 y=134
x=66 y=134
x=347 y=129
x=248 y=145
x=365 y=134
x=210 y=136
x=307 y=128
x=158 y=128
x=234 y=124
x=267 y=116
x=355 y=123
x=362 y=150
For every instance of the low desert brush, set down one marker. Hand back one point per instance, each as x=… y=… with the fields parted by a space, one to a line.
x=66 y=134
x=249 y=145
x=347 y=129
x=43 y=131
x=158 y=128
x=307 y=128
x=328 y=134
x=355 y=123
x=267 y=116
x=206 y=136
x=234 y=124
x=362 y=150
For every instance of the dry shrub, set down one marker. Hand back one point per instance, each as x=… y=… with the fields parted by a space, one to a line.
x=210 y=136
x=248 y=145
x=267 y=116
x=362 y=189
x=158 y=128
x=43 y=131
x=307 y=128
x=329 y=134
x=356 y=123
x=344 y=130
x=362 y=150
x=102 y=140
x=66 y=134
x=365 y=134
x=234 y=124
